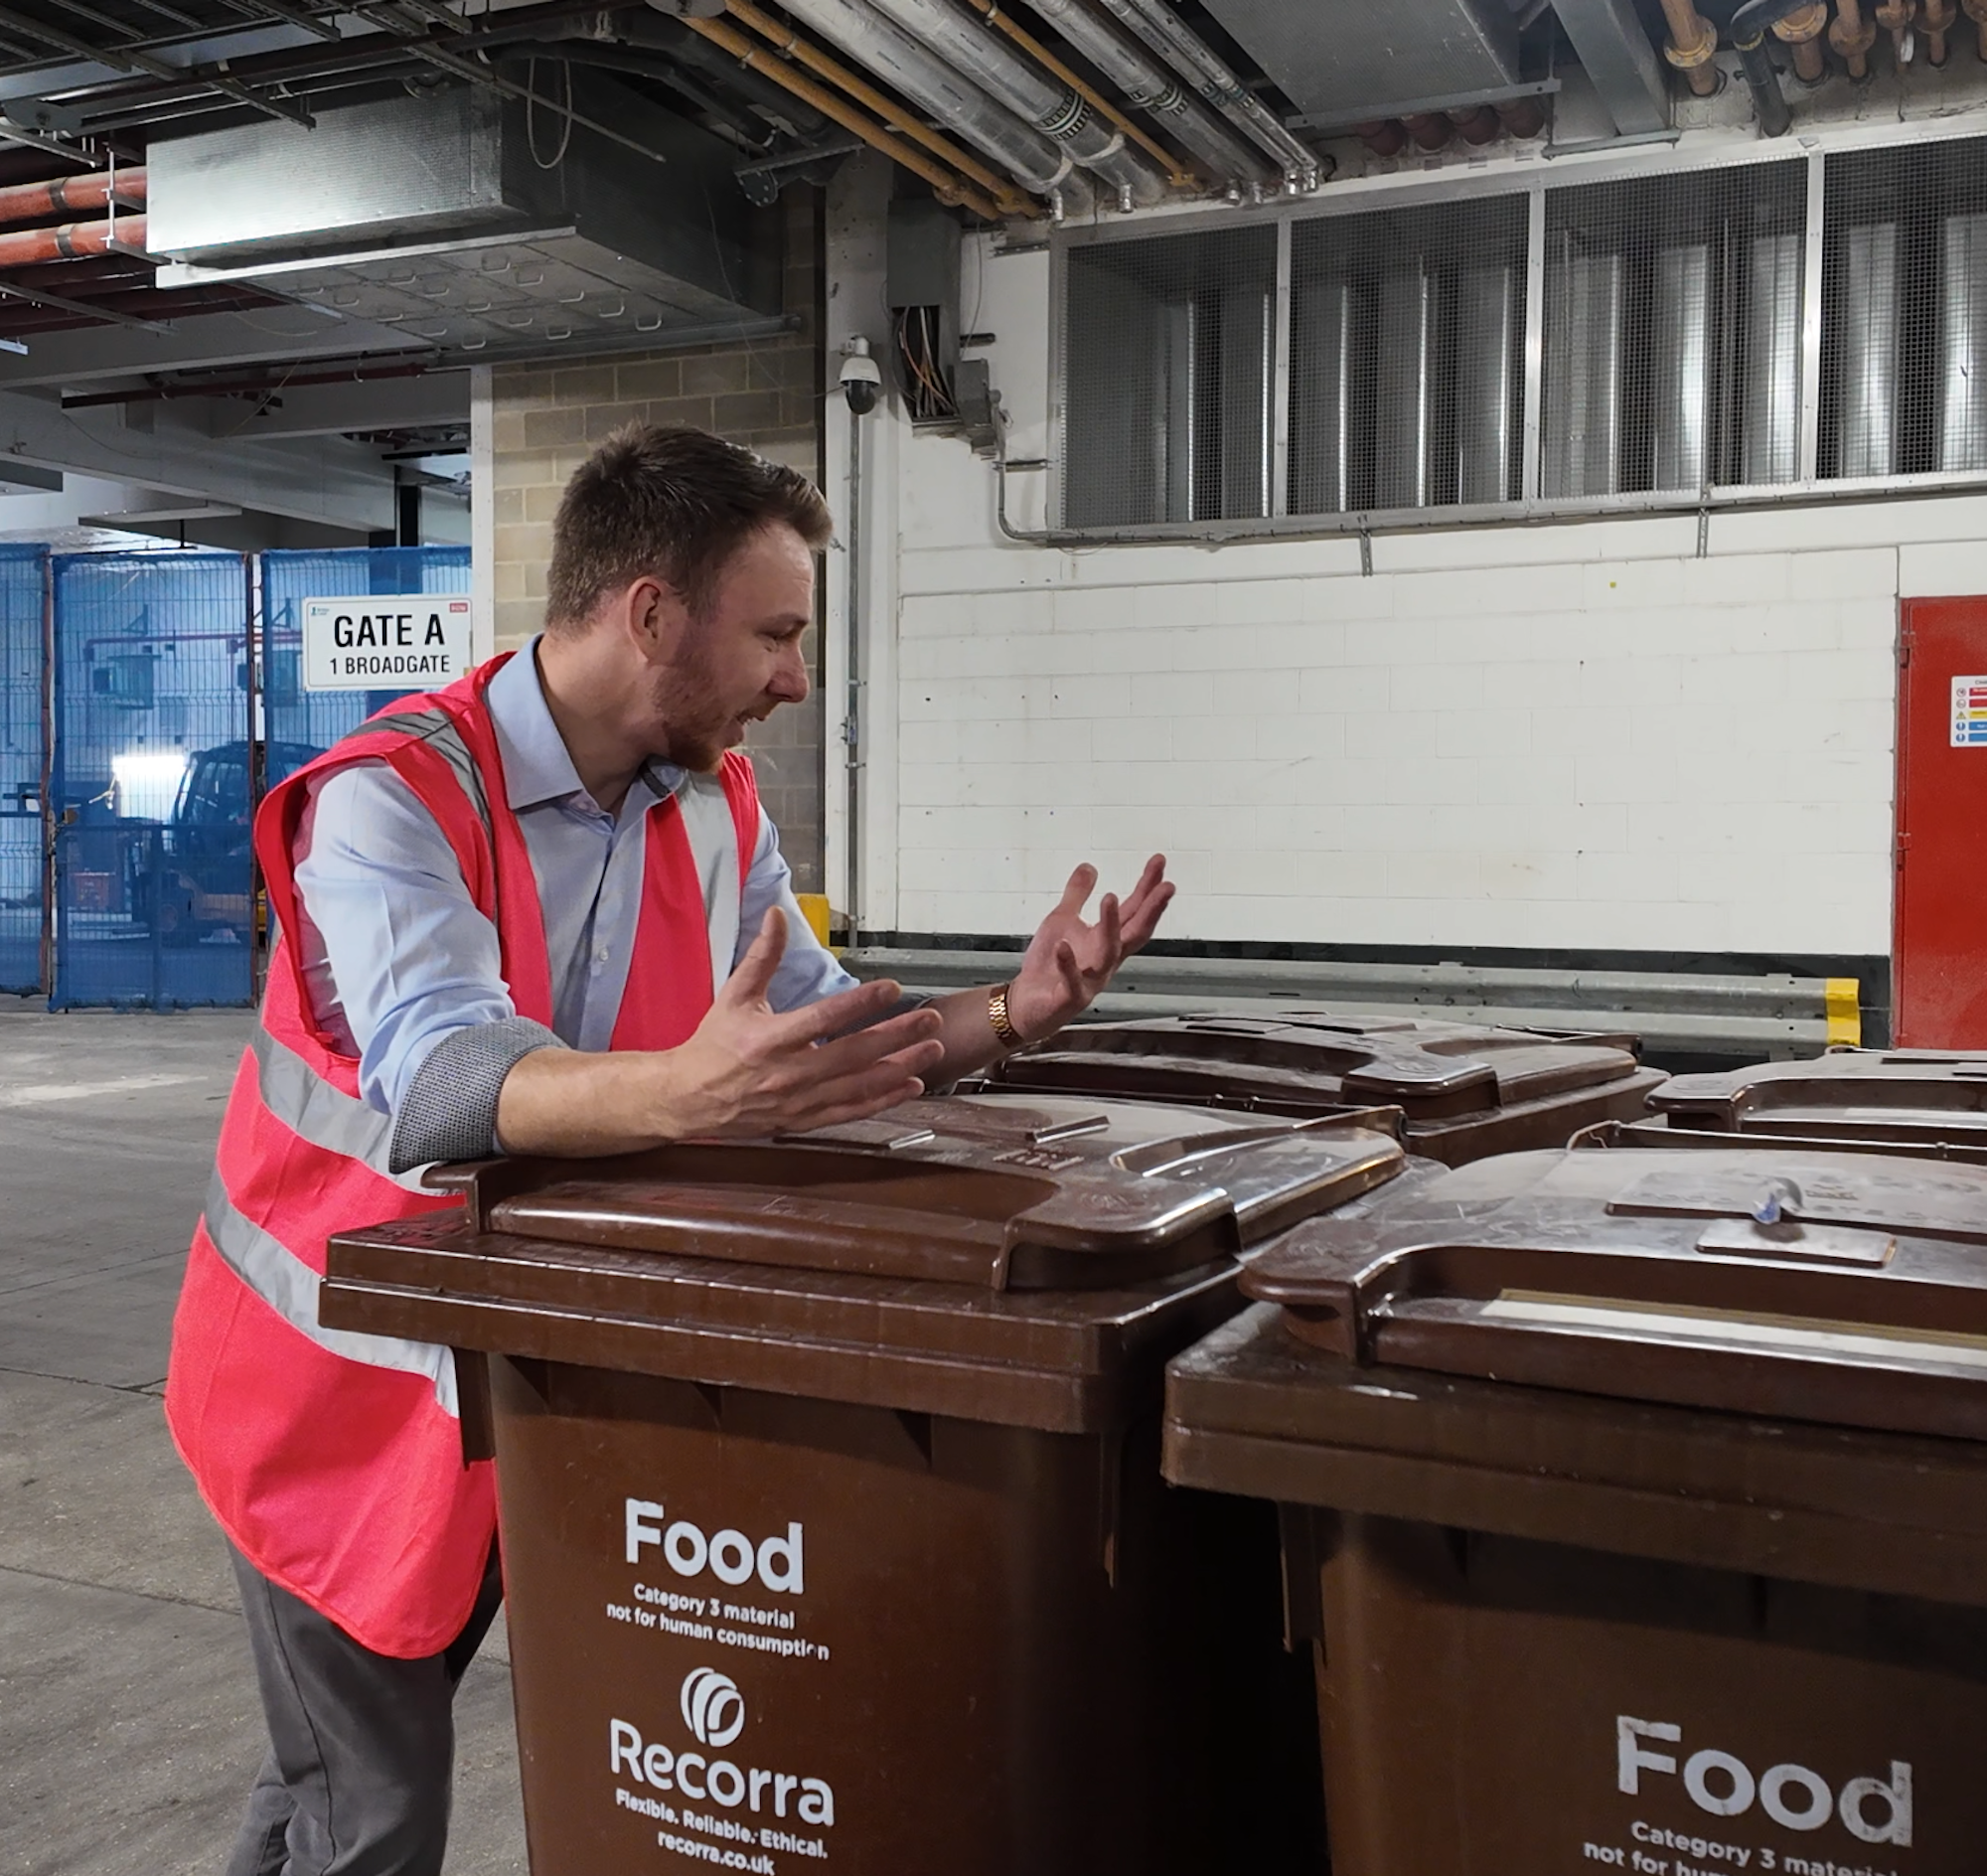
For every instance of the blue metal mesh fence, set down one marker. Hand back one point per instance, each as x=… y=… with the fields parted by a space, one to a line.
x=301 y=722
x=23 y=577
x=154 y=901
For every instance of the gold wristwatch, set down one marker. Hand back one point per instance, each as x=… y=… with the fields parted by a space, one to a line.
x=997 y=1014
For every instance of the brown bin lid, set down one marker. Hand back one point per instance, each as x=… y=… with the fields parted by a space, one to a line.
x=1843 y=1288
x=1306 y=1060
x=1006 y=1191
x=1907 y=1095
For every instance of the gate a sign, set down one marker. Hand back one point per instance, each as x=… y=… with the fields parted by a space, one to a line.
x=386 y=642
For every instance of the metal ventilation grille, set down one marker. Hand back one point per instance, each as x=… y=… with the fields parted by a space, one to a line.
x=1168 y=377
x=1903 y=388
x=1673 y=331
x=1407 y=350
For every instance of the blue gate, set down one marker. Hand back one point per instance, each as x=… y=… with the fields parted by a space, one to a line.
x=154 y=887
x=23 y=757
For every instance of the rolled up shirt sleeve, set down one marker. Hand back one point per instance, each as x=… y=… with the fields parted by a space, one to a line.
x=403 y=969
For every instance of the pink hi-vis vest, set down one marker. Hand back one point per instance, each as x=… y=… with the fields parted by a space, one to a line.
x=333 y=1459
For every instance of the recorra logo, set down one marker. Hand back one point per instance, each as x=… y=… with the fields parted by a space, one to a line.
x=730 y=1556
x=1872 y=1811
x=712 y=1707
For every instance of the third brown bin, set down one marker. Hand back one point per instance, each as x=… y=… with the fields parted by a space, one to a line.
x=1919 y=1102
x=834 y=1533
x=1467 y=1091
x=1636 y=1503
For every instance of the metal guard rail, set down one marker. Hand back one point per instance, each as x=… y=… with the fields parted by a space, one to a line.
x=1754 y=1019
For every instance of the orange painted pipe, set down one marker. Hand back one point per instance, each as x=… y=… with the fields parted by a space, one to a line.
x=82 y=194
x=28 y=247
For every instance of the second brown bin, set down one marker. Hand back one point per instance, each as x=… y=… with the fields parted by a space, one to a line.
x=1635 y=1505
x=1928 y=1102
x=832 y=1526
x=1467 y=1091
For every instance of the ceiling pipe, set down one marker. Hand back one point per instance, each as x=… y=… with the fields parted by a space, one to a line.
x=950 y=187
x=1523 y=118
x=856 y=28
x=895 y=119
x=1430 y=130
x=1802 y=30
x=1179 y=174
x=1224 y=156
x=1895 y=15
x=1477 y=125
x=1938 y=18
x=1053 y=109
x=1161 y=28
x=1852 y=36
x=648 y=30
x=1749 y=34
x=1693 y=40
x=26 y=201
x=31 y=248
x=1385 y=137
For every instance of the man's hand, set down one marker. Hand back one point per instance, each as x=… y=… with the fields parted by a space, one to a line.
x=1070 y=961
x=750 y=1071
x=746 y=1072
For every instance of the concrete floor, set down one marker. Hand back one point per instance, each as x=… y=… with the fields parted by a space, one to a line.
x=129 y=1727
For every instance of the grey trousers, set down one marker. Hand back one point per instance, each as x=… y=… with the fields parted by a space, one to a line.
x=361 y=1745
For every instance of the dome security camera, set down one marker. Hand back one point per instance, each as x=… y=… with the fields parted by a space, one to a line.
x=862 y=382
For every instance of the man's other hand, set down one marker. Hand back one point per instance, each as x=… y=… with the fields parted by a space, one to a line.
x=1071 y=961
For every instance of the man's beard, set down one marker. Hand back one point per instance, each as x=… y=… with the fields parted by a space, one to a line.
x=697 y=726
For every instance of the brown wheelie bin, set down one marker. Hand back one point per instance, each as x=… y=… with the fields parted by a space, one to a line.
x=1467 y=1091
x=833 y=1528
x=1922 y=1103
x=1635 y=1507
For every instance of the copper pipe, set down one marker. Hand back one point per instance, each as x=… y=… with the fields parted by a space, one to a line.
x=1523 y=118
x=1939 y=16
x=959 y=166
x=28 y=202
x=1896 y=17
x=1693 y=38
x=1477 y=125
x=1853 y=36
x=1976 y=11
x=1178 y=175
x=1385 y=137
x=1802 y=31
x=33 y=246
x=948 y=187
x=1430 y=130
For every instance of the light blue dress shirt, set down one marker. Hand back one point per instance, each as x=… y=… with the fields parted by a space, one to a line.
x=398 y=958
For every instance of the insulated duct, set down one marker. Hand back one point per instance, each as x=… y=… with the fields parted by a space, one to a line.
x=1160 y=28
x=1486 y=379
x=1156 y=91
x=1044 y=103
x=887 y=50
x=1680 y=377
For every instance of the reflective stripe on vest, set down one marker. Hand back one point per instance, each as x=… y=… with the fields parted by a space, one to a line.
x=289 y=1285
x=311 y=1108
x=713 y=844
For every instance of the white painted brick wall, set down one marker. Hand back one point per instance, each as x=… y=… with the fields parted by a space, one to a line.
x=1577 y=736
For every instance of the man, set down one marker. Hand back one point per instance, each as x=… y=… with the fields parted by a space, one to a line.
x=539 y=912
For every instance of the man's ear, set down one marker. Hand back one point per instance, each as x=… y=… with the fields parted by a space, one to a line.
x=656 y=617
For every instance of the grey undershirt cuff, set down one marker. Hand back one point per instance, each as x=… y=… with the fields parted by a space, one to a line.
x=450 y=1111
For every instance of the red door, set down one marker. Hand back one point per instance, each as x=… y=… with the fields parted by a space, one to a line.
x=1939 y=943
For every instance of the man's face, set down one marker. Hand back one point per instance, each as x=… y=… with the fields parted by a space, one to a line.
x=740 y=660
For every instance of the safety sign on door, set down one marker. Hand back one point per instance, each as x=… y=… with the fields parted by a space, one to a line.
x=1969 y=713
x=387 y=642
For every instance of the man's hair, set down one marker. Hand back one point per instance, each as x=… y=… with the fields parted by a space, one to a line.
x=672 y=504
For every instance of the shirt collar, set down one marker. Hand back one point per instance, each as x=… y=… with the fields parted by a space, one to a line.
x=537 y=767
